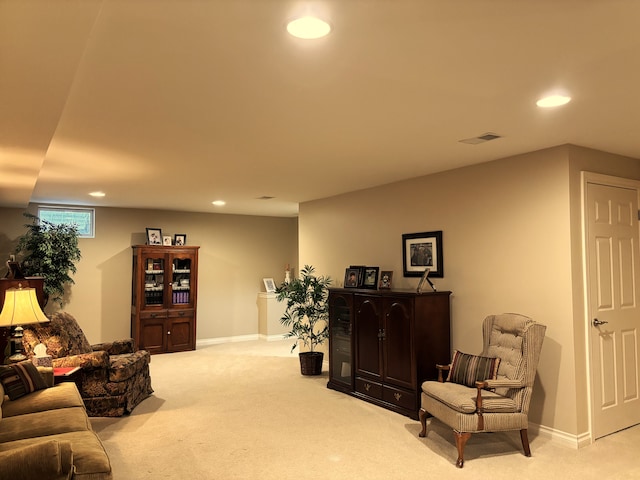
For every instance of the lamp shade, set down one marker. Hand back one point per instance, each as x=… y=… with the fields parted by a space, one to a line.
x=21 y=308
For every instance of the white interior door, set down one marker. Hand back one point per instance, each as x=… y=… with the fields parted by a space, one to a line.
x=613 y=291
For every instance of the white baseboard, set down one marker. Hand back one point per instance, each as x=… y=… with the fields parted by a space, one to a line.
x=216 y=341
x=271 y=338
x=567 y=439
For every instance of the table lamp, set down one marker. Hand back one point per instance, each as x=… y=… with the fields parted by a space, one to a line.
x=20 y=307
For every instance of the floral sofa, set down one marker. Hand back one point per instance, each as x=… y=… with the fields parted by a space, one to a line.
x=114 y=376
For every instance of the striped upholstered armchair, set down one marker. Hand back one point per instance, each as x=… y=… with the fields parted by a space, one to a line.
x=490 y=392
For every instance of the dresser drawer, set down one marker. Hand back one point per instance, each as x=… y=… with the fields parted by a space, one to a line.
x=369 y=388
x=400 y=397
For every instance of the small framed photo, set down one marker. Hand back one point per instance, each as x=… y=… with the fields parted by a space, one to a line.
x=425 y=279
x=370 y=279
x=351 y=277
x=420 y=251
x=154 y=236
x=269 y=285
x=360 y=269
x=386 y=276
x=180 y=239
x=166 y=240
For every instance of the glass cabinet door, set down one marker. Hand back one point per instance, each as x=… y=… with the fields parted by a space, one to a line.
x=154 y=280
x=340 y=340
x=181 y=280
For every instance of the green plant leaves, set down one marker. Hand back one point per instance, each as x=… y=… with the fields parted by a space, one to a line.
x=307 y=312
x=50 y=251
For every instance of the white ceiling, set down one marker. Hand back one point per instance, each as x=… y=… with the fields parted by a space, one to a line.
x=173 y=104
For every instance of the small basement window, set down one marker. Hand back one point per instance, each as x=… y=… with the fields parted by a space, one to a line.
x=83 y=218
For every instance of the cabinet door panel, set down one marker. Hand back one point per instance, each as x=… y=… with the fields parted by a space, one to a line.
x=152 y=335
x=340 y=358
x=368 y=324
x=180 y=334
x=399 y=367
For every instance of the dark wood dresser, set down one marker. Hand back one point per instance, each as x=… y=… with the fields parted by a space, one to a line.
x=384 y=343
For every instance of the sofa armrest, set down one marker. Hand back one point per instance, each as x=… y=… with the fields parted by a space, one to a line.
x=51 y=459
x=47 y=374
x=115 y=348
x=86 y=361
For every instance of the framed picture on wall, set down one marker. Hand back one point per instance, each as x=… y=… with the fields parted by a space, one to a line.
x=154 y=236
x=420 y=251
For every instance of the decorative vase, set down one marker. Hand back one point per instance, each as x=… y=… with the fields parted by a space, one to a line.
x=311 y=363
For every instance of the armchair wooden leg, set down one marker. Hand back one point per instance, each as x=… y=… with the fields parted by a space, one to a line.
x=525 y=442
x=423 y=415
x=461 y=441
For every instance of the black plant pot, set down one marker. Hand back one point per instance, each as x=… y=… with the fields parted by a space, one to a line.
x=311 y=363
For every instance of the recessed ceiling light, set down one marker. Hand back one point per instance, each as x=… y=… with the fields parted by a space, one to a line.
x=308 y=27
x=553 y=101
x=219 y=203
x=98 y=194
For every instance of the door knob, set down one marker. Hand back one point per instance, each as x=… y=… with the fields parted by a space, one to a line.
x=597 y=323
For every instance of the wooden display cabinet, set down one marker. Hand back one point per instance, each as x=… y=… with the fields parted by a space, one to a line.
x=384 y=344
x=164 y=298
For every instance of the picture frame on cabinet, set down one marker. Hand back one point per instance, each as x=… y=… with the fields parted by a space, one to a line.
x=360 y=269
x=351 y=277
x=386 y=277
x=370 y=278
x=180 y=239
x=269 y=285
x=420 y=251
x=154 y=236
x=166 y=240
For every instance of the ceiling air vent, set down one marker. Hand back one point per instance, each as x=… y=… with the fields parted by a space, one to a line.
x=265 y=197
x=485 y=137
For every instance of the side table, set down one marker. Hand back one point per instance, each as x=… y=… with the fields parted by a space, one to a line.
x=67 y=374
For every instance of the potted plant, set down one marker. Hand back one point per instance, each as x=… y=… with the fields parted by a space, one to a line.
x=307 y=316
x=50 y=251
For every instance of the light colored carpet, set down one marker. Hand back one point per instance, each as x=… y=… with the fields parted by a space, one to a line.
x=243 y=411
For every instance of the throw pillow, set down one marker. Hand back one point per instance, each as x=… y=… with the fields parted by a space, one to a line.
x=468 y=369
x=21 y=378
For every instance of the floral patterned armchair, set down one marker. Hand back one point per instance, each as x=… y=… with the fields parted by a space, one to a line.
x=114 y=377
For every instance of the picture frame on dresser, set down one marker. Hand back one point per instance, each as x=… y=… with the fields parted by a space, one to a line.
x=180 y=239
x=420 y=251
x=154 y=236
x=386 y=277
x=370 y=278
x=351 y=277
x=166 y=240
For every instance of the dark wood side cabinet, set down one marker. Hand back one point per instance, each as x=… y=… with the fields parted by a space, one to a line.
x=164 y=298
x=384 y=343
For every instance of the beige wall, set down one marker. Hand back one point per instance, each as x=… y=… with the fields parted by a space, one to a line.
x=508 y=240
x=236 y=252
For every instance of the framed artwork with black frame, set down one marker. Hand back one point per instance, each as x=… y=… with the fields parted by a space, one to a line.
x=351 y=277
x=420 y=251
x=360 y=269
x=370 y=278
x=180 y=239
x=154 y=236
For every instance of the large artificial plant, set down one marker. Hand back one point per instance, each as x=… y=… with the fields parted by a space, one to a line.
x=307 y=312
x=50 y=251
